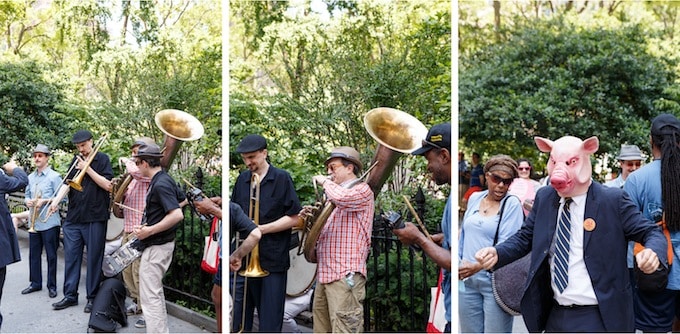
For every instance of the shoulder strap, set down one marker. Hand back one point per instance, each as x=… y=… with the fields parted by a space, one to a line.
x=500 y=218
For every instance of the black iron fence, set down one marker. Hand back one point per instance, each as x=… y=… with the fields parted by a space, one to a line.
x=397 y=289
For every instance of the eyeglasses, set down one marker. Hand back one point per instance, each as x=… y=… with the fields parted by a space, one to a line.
x=633 y=163
x=497 y=179
x=522 y=169
x=334 y=166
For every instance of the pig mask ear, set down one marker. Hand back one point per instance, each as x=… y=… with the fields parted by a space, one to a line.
x=591 y=145
x=545 y=144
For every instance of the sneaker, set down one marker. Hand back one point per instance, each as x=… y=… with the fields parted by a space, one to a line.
x=141 y=323
x=132 y=309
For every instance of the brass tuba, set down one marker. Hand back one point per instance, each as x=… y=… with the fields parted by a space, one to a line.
x=396 y=133
x=178 y=127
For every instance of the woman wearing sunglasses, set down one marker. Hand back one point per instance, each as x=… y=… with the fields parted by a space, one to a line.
x=524 y=186
x=477 y=308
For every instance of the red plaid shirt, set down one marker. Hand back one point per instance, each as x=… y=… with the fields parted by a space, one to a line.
x=135 y=196
x=345 y=241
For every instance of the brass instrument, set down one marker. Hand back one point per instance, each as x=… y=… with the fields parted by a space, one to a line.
x=396 y=133
x=78 y=178
x=119 y=187
x=253 y=269
x=178 y=127
x=48 y=203
x=35 y=214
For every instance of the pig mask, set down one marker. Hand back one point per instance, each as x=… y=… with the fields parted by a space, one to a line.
x=569 y=164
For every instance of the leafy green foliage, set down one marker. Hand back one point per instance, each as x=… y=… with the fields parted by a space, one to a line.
x=551 y=78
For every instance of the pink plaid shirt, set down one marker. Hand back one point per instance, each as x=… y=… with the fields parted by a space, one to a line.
x=135 y=196
x=345 y=241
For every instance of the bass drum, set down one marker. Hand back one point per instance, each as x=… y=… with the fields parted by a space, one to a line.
x=301 y=274
x=114 y=228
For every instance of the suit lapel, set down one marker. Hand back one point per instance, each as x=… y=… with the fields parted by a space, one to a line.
x=592 y=203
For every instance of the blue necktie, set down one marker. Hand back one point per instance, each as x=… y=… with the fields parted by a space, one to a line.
x=561 y=262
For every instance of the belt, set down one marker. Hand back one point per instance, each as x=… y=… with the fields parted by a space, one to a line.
x=573 y=306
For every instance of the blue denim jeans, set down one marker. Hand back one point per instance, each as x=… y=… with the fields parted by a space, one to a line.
x=478 y=311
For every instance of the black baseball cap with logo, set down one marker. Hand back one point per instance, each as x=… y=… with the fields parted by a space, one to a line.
x=438 y=137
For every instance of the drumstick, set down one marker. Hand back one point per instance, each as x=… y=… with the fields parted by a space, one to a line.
x=129 y=208
x=415 y=214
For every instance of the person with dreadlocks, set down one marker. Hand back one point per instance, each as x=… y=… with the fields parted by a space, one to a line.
x=658 y=198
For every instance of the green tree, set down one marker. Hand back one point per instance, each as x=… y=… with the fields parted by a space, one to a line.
x=552 y=78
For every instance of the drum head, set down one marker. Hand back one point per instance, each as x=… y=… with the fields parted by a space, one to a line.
x=301 y=274
x=114 y=228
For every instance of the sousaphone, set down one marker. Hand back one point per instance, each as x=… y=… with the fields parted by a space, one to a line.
x=397 y=133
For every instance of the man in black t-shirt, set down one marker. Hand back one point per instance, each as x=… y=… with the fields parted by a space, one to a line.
x=85 y=223
x=157 y=234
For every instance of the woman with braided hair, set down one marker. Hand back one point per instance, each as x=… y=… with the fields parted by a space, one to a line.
x=477 y=309
x=658 y=197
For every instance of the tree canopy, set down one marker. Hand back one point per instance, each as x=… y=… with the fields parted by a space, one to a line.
x=566 y=74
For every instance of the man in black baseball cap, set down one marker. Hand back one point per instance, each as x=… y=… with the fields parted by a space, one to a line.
x=86 y=219
x=437 y=150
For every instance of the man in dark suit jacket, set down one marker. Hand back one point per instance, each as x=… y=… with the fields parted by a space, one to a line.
x=610 y=220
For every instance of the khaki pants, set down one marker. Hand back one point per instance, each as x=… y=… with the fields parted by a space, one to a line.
x=339 y=308
x=155 y=262
x=131 y=275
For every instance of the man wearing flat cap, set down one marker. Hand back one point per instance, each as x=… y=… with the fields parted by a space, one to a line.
x=133 y=207
x=12 y=178
x=43 y=184
x=654 y=189
x=162 y=215
x=86 y=219
x=630 y=159
x=343 y=245
x=278 y=209
x=437 y=150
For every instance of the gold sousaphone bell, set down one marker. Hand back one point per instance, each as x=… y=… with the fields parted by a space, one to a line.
x=178 y=127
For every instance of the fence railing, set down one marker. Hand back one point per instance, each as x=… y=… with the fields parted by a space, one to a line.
x=397 y=289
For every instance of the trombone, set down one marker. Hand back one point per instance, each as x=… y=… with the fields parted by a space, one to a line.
x=78 y=178
x=253 y=269
x=49 y=202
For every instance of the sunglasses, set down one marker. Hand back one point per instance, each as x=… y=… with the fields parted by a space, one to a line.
x=522 y=169
x=334 y=166
x=425 y=142
x=497 y=179
x=633 y=163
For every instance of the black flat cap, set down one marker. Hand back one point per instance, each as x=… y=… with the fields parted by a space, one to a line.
x=251 y=143
x=81 y=136
x=149 y=151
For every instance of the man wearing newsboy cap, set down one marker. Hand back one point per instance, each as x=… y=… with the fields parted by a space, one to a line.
x=436 y=149
x=161 y=217
x=630 y=159
x=342 y=248
x=86 y=219
x=278 y=207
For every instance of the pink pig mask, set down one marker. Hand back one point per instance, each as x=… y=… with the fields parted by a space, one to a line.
x=569 y=164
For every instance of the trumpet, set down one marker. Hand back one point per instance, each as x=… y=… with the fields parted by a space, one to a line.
x=78 y=178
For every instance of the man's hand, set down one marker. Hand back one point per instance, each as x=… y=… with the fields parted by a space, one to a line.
x=320 y=179
x=234 y=263
x=487 y=257
x=647 y=261
x=206 y=206
x=409 y=235
x=9 y=167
